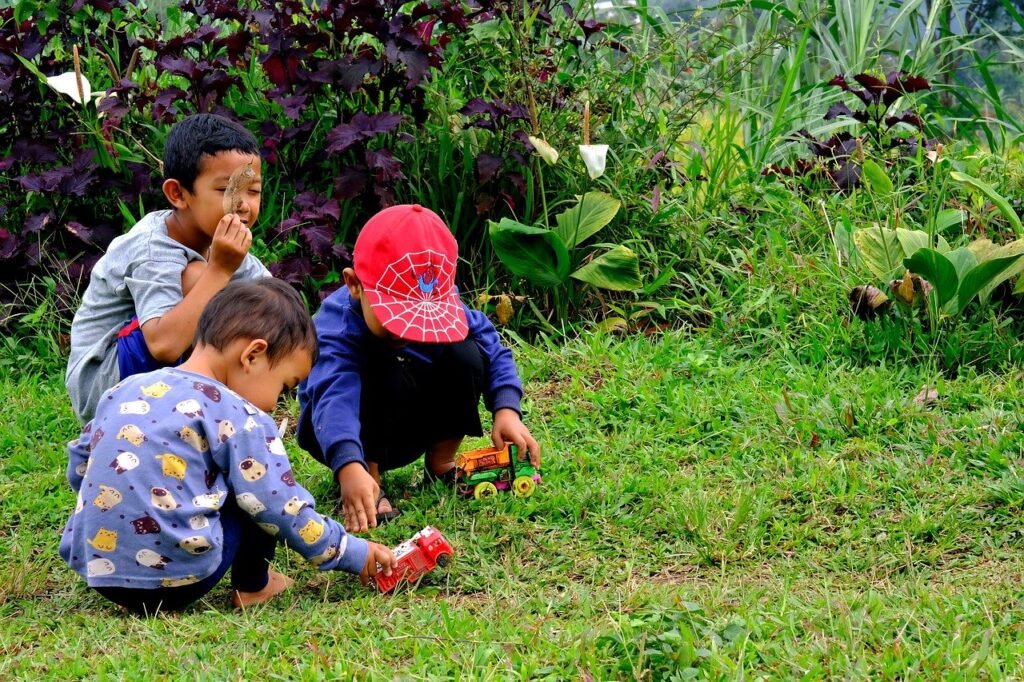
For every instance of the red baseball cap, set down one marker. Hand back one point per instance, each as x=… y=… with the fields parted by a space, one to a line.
x=405 y=259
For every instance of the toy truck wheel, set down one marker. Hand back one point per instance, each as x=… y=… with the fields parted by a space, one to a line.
x=485 y=489
x=444 y=559
x=523 y=486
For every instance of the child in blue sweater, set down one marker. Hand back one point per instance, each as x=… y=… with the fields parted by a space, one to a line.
x=182 y=474
x=403 y=365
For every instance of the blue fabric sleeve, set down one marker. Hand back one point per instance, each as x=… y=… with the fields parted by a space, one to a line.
x=330 y=395
x=250 y=462
x=504 y=388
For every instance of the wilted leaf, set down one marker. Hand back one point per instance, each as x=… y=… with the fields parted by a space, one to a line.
x=613 y=325
x=504 y=309
x=867 y=301
x=881 y=251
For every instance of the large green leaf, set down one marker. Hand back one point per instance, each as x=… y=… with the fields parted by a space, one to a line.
x=995 y=197
x=877 y=178
x=981 y=276
x=947 y=218
x=985 y=251
x=881 y=251
x=594 y=211
x=617 y=269
x=963 y=260
x=938 y=270
x=912 y=240
x=532 y=252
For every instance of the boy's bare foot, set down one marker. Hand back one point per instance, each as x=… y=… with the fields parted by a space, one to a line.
x=277 y=584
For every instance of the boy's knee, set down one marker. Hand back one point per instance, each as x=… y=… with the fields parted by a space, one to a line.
x=190 y=275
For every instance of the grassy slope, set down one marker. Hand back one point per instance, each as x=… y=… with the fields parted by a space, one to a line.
x=760 y=498
x=692 y=515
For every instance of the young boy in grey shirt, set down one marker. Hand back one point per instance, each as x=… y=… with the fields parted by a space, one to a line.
x=146 y=293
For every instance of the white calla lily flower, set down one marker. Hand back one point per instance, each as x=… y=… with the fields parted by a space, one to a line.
x=594 y=156
x=67 y=84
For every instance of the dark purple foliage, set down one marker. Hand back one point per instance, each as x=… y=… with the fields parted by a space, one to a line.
x=834 y=157
x=340 y=107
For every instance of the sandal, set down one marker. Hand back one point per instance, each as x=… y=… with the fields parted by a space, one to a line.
x=385 y=517
x=429 y=477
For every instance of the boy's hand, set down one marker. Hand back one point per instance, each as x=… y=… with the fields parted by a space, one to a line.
x=358 y=497
x=379 y=555
x=231 y=241
x=509 y=428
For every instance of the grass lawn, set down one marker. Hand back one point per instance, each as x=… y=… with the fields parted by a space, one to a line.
x=706 y=512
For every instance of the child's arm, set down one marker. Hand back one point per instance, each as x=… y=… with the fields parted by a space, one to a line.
x=171 y=334
x=260 y=477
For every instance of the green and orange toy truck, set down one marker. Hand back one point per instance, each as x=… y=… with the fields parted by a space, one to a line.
x=483 y=472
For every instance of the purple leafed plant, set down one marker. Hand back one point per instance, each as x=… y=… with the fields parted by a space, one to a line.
x=885 y=133
x=331 y=88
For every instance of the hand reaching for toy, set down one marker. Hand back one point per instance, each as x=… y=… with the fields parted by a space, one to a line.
x=509 y=428
x=358 y=497
x=231 y=241
x=379 y=559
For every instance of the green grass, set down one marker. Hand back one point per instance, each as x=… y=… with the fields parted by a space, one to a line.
x=738 y=502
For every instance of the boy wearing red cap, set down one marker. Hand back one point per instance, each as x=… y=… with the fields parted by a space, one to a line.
x=403 y=364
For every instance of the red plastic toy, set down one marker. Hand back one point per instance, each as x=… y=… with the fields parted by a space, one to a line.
x=414 y=558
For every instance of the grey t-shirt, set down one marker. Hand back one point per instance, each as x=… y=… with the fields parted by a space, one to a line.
x=139 y=275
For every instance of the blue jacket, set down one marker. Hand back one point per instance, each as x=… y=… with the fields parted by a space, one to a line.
x=329 y=397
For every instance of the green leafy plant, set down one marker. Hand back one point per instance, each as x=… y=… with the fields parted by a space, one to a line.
x=550 y=257
x=960 y=275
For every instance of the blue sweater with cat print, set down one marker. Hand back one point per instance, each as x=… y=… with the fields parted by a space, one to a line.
x=163 y=454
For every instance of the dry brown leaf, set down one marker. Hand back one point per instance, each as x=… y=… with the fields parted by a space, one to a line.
x=504 y=309
x=238 y=183
x=927 y=396
x=867 y=301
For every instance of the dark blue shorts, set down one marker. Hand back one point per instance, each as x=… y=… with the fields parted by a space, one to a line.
x=133 y=356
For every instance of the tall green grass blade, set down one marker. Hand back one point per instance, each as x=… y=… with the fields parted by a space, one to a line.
x=1001 y=204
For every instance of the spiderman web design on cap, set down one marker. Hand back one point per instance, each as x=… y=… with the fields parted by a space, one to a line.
x=415 y=298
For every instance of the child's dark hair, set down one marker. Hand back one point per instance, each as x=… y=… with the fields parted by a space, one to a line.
x=201 y=134
x=262 y=309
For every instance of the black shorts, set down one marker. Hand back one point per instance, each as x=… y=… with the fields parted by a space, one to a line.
x=409 y=404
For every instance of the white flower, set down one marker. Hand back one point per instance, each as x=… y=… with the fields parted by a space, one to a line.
x=544 y=150
x=594 y=155
x=67 y=84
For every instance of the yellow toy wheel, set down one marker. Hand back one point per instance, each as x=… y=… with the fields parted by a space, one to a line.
x=524 y=486
x=485 y=489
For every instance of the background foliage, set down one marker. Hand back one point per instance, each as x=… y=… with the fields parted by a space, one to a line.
x=359 y=105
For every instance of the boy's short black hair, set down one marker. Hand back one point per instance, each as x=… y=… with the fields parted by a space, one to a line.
x=201 y=134
x=261 y=309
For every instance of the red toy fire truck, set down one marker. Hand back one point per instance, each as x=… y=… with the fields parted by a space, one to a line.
x=414 y=558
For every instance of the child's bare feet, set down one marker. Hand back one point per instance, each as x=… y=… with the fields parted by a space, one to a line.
x=277 y=584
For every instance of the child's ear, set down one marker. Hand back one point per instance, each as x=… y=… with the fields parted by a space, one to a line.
x=253 y=350
x=175 y=193
x=352 y=282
